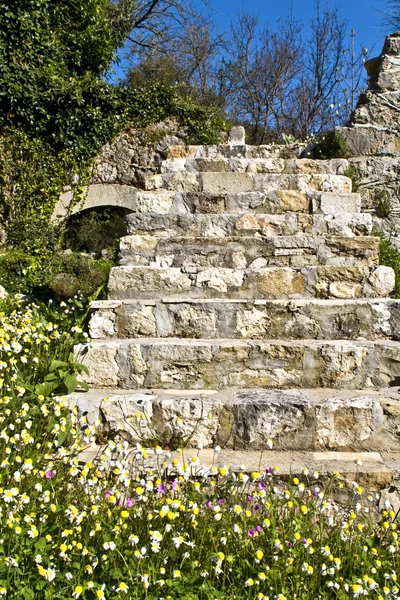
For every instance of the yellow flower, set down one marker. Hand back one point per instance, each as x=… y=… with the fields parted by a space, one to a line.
x=259 y=555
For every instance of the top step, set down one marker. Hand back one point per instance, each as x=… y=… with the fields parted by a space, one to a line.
x=285 y=151
x=241 y=164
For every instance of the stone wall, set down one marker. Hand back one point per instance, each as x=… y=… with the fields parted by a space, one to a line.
x=123 y=166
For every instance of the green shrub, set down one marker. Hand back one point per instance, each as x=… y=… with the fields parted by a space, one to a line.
x=331 y=145
x=77 y=273
x=21 y=272
x=95 y=230
x=60 y=276
x=383 y=203
x=354 y=175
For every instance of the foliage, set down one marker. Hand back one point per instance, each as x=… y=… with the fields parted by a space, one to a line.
x=112 y=527
x=389 y=256
x=41 y=342
x=352 y=173
x=60 y=275
x=75 y=273
x=383 y=203
x=95 y=230
x=331 y=145
x=55 y=51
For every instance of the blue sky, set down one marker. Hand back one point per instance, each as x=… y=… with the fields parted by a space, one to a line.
x=364 y=16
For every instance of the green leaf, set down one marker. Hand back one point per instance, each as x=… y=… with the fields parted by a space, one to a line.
x=57 y=364
x=45 y=389
x=71 y=383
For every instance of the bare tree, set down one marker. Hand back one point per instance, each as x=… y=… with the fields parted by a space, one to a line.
x=273 y=80
x=189 y=58
x=391 y=16
x=277 y=82
x=258 y=69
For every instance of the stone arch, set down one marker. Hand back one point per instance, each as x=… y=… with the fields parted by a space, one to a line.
x=98 y=195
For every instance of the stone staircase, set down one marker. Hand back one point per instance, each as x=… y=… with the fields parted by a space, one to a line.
x=248 y=287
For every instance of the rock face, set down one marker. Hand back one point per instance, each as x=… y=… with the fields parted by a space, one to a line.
x=373 y=140
x=374 y=125
x=249 y=288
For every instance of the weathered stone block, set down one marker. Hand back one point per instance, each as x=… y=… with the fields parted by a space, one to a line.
x=280 y=282
x=292 y=201
x=226 y=183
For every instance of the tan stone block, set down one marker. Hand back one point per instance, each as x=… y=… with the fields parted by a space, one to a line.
x=140 y=323
x=382 y=281
x=254 y=222
x=280 y=282
x=138 y=242
x=233 y=353
x=292 y=201
x=182 y=151
x=102 y=324
x=355 y=274
x=226 y=183
x=136 y=359
x=341 y=423
x=341 y=289
x=100 y=359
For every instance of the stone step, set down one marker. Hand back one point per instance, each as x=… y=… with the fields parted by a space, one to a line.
x=270 y=282
x=275 y=151
x=295 y=420
x=243 y=319
x=274 y=201
x=222 y=225
x=233 y=183
x=227 y=363
x=376 y=473
x=336 y=166
x=249 y=252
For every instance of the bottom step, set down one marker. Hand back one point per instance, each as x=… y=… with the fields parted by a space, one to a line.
x=298 y=420
x=371 y=470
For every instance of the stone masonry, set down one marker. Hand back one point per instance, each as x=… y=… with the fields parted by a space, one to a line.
x=249 y=288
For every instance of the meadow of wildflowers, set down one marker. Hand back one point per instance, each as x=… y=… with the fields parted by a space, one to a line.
x=139 y=523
